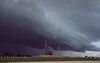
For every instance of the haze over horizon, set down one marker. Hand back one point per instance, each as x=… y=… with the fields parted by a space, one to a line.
x=72 y=25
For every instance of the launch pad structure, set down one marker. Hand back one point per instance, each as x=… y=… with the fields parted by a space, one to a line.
x=48 y=50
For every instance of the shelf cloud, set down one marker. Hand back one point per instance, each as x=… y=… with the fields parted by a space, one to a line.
x=68 y=24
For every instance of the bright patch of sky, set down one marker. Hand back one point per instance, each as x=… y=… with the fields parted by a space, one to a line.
x=96 y=44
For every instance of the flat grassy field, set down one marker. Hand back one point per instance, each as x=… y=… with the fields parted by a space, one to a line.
x=35 y=59
x=58 y=62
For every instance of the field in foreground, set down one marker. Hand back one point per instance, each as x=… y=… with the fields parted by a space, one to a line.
x=40 y=59
x=60 y=62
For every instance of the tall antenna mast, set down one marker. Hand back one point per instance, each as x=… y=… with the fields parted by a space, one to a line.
x=45 y=48
x=45 y=42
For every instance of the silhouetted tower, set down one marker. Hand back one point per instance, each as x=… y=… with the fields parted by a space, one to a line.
x=48 y=50
x=45 y=48
x=58 y=51
x=45 y=44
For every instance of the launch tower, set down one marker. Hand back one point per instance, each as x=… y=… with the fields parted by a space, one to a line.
x=48 y=50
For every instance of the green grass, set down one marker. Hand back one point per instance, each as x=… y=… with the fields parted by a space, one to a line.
x=35 y=59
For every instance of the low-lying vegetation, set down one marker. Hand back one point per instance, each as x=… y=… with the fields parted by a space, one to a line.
x=35 y=59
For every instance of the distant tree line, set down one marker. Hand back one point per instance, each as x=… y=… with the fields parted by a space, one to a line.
x=8 y=55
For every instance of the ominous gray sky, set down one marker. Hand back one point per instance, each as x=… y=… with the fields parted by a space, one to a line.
x=69 y=24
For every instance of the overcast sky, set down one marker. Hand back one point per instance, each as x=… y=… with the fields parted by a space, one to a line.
x=69 y=24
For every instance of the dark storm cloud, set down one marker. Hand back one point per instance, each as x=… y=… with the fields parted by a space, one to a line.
x=15 y=48
x=81 y=18
x=25 y=23
x=69 y=24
